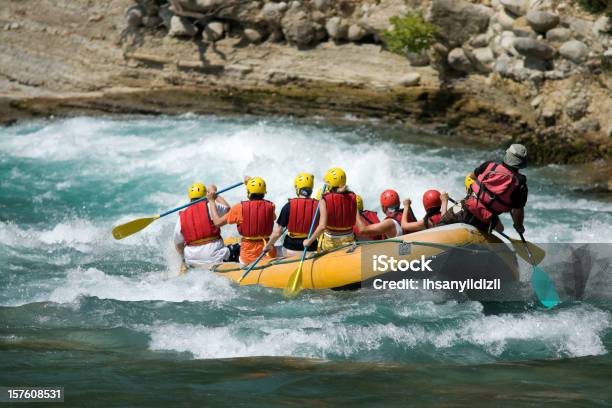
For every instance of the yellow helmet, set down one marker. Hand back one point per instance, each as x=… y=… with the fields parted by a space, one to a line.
x=196 y=190
x=255 y=185
x=359 y=202
x=335 y=177
x=303 y=181
x=468 y=183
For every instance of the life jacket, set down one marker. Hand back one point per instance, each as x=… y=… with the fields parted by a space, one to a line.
x=370 y=218
x=341 y=211
x=434 y=217
x=257 y=219
x=301 y=215
x=492 y=192
x=197 y=226
x=397 y=216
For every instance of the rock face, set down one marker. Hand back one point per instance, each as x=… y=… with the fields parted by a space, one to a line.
x=412 y=79
x=576 y=108
x=459 y=20
x=336 y=28
x=459 y=61
x=355 y=33
x=181 y=27
x=541 y=21
x=559 y=35
x=376 y=19
x=516 y=7
x=252 y=35
x=298 y=28
x=533 y=48
x=575 y=51
x=214 y=31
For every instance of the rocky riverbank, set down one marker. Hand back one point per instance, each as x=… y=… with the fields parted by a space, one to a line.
x=535 y=71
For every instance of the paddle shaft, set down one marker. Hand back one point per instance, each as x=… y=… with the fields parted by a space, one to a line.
x=263 y=253
x=526 y=247
x=198 y=200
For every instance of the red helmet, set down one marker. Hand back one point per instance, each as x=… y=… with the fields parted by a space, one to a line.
x=431 y=199
x=389 y=198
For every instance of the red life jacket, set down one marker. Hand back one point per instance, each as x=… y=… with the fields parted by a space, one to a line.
x=197 y=226
x=397 y=216
x=301 y=214
x=434 y=218
x=257 y=219
x=492 y=192
x=370 y=218
x=341 y=211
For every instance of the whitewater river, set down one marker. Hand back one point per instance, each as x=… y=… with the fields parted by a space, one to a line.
x=108 y=321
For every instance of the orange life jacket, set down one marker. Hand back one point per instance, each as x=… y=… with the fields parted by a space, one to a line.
x=197 y=226
x=301 y=214
x=492 y=192
x=370 y=218
x=257 y=219
x=341 y=211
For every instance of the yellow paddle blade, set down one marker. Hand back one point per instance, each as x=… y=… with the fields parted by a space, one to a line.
x=294 y=284
x=129 y=228
x=537 y=252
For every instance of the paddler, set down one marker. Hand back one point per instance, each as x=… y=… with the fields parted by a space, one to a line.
x=391 y=225
x=296 y=216
x=197 y=239
x=435 y=204
x=254 y=218
x=366 y=217
x=494 y=188
x=338 y=213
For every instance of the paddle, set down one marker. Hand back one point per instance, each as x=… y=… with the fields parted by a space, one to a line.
x=294 y=284
x=541 y=282
x=132 y=227
x=538 y=253
x=263 y=253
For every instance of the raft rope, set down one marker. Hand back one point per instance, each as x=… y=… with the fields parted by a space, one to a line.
x=353 y=246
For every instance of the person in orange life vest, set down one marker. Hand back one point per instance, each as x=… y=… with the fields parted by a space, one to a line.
x=254 y=218
x=196 y=237
x=391 y=225
x=296 y=216
x=497 y=188
x=435 y=204
x=366 y=217
x=338 y=213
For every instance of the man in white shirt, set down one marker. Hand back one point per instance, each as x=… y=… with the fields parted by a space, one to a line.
x=196 y=237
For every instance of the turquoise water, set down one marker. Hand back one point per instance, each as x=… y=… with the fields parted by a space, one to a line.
x=109 y=321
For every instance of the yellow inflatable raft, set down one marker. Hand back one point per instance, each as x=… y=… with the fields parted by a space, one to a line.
x=457 y=252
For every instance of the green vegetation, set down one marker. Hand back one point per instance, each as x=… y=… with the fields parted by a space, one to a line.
x=410 y=33
x=596 y=6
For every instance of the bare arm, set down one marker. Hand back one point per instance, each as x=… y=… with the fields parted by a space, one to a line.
x=518 y=216
x=405 y=224
x=413 y=226
x=381 y=228
x=444 y=199
x=216 y=219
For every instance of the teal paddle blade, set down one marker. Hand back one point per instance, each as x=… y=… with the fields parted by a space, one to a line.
x=544 y=288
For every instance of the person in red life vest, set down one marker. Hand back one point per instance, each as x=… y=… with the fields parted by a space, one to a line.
x=391 y=225
x=296 y=216
x=497 y=188
x=254 y=218
x=435 y=204
x=366 y=217
x=196 y=237
x=338 y=213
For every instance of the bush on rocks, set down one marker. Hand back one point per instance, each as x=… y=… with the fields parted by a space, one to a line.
x=410 y=33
